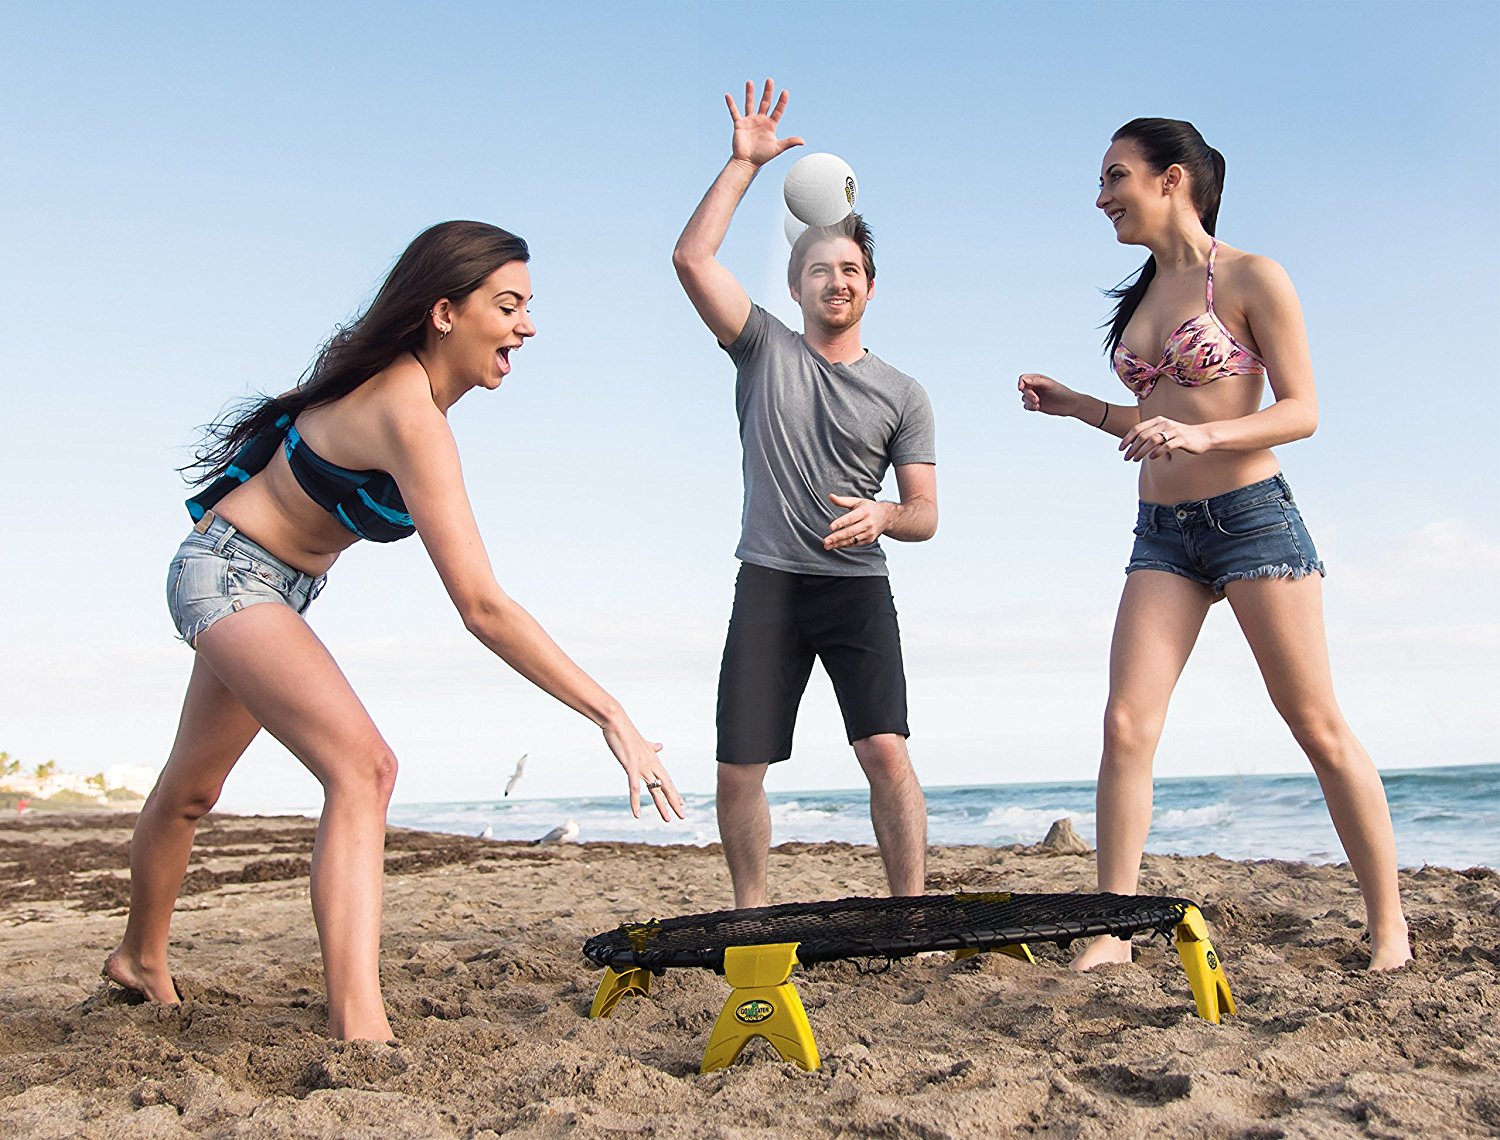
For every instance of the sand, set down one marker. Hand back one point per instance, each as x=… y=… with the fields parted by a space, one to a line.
x=489 y=996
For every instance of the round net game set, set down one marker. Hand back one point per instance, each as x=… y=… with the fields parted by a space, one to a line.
x=757 y=949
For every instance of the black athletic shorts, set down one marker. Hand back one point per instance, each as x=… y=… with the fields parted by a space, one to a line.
x=781 y=621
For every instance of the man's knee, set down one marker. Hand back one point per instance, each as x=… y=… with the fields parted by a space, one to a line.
x=884 y=756
x=741 y=779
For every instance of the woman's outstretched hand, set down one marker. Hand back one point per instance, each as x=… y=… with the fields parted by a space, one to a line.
x=643 y=767
x=755 y=138
x=1043 y=394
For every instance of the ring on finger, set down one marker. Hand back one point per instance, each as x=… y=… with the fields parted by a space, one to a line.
x=652 y=785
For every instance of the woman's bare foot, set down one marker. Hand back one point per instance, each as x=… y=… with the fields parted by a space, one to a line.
x=1104 y=950
x=153 y=985
x=373 y=1026
x=1390 y=951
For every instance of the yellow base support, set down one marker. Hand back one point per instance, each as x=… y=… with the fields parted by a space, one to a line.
x=1019 y=951
x=616 y=984
x=763 y=1004
x=1205 y=970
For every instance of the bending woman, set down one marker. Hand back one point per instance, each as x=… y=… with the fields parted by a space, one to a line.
x=1195 y=338
x=360 y=449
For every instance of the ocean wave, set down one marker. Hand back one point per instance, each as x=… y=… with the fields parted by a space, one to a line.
x=1237 y=817
x=1205 y=816
x=1029 y=825
x=794 y=811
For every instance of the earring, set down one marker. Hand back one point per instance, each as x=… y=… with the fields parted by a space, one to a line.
x=442 y=333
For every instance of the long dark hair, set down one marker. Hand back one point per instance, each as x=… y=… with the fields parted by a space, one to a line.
x=1163 y=142
x=450 y=259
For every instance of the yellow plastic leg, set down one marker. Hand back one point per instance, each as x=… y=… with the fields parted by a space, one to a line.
x=1019 y=951
x=763 y=1004
x=1205 y=971
x=616 y=984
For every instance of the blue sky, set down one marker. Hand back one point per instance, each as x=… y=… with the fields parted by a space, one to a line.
x=192 y=196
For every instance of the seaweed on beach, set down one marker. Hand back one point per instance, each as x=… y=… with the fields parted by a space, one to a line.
x=92 y=874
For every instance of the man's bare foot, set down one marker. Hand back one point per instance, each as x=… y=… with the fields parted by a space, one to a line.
x=153 y=985
x=1390 y=952
x=1104 y=950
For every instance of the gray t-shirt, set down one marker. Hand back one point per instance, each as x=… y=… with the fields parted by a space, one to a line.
x=811 y=429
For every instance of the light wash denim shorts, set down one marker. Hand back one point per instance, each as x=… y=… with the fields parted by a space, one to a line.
x=217 y=571
x=1250 y=532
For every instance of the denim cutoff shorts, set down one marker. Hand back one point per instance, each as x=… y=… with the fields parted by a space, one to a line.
x=1251 y=532
x=217 y=571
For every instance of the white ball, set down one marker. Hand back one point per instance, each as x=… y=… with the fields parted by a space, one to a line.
x=793 y=229
x=820 y=189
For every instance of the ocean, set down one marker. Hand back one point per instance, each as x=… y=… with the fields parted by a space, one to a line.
x=1443 y=816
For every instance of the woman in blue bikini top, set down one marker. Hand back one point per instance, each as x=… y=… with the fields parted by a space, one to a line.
x=360 y=449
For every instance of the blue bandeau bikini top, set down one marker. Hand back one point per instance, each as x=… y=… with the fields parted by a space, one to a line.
x=367 y=503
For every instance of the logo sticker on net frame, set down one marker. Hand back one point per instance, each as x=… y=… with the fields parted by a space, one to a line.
x=754 y=1012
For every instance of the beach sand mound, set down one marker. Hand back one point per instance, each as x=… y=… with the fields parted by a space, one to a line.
x=489 y=996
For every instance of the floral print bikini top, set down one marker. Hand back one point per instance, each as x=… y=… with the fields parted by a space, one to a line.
x=1198 y=353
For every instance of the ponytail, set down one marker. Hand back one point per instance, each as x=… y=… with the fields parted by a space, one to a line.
x=1129 y=293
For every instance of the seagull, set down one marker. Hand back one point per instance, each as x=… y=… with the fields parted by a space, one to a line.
x=515 y=777
x=485 y=832
x=564 y=834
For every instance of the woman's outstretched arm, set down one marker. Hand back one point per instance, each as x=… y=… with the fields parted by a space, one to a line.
x=425 y=464
x=1043 y=394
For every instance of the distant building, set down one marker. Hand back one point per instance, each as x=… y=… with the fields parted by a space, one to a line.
x=131 y=777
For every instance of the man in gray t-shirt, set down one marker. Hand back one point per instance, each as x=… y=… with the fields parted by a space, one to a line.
x=821 y=422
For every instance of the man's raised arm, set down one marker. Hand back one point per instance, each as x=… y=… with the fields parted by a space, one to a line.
x=720 y=300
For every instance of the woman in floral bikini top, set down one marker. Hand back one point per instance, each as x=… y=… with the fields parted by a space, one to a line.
x=1216 y=517
x=1201 y=351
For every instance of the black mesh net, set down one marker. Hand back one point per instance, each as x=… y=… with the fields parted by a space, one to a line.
x=883 y=927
